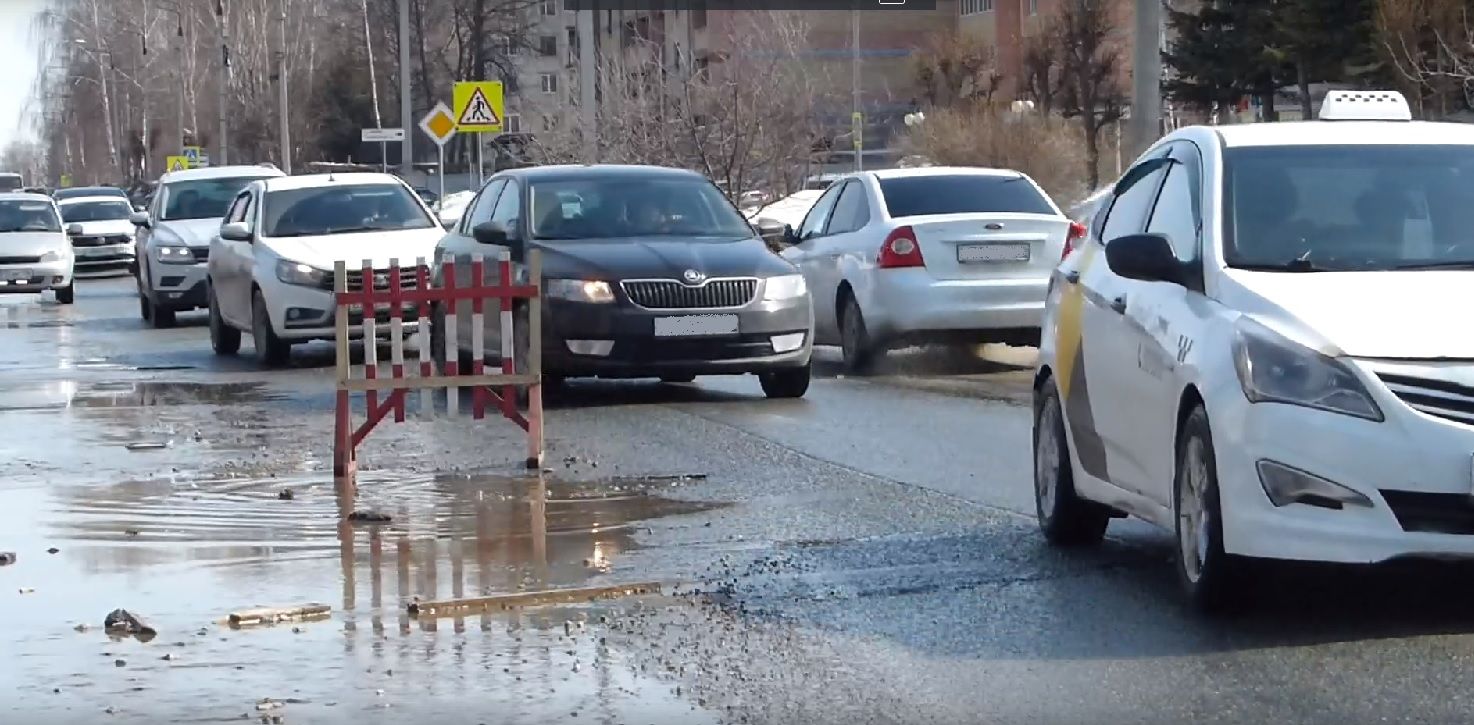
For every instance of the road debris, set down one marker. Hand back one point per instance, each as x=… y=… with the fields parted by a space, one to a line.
x=122 y=621
x=272 y=615
x=147 y=446
x=53 y=550
x=120 y=663
x=369 y=516
x=27 y=590
x=7 y=558
x=531 y=599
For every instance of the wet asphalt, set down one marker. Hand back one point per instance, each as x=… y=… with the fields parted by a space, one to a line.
x=866 y=554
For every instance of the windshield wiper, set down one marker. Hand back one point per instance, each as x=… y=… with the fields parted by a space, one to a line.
x=1294 y=265
x=1445 y=264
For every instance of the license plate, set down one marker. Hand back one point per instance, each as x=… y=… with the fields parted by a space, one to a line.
x=11 y=274
x=695 y=325
x=985 y=253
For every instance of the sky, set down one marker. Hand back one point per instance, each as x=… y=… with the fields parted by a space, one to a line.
x=18 y=58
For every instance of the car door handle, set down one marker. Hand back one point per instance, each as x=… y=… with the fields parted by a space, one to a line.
x=1072 y=276
x=1119 y=304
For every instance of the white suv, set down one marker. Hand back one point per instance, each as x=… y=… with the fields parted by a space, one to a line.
x=271 y=265
x=1258 y=347
x=174 y=236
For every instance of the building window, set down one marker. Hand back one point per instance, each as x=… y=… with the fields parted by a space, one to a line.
x=1033 y=7
x=550 y=7
x=975 y=7
x=512 y=123
x=698 y=14
x=573 y=51
x=549 y=82
x=506 y=46
x=550 y=123
x=510 y=84
x=547 y=45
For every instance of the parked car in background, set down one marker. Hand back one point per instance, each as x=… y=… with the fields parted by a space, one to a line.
x=773 y=219
x=10 y=181
x=34 y=252
x=77 y=192
x=101 y=233
x=935 y=254
x=175 y=232
x=431 y=198
x=271 y=273
x=452 y=206
x=647 y=272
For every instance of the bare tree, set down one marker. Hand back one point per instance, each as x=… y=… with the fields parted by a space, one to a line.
x=954 y=67
x=1430 y=45
x=1090 y=72
x=1039 y=71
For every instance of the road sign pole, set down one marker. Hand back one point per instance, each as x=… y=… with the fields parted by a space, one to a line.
x=440 y=169
x=384 y=157
x=480 y=162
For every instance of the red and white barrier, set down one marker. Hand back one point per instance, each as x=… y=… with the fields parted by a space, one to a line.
x=381 y=296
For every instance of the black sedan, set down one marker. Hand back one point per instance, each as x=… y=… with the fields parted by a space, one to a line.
x=648 y=272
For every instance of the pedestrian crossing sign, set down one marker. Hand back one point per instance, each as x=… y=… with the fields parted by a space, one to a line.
x=177 y=163
x=478 y=106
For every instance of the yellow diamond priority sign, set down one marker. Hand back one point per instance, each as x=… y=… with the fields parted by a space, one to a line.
x=478 y=106
x=439 y=124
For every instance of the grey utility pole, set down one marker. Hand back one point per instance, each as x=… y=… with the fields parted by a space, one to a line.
x=1146 y=75
x=857 y=120
x=223 y=15
x=179 y=77
x=588 y=84
x=281 y=90
x=406 y=97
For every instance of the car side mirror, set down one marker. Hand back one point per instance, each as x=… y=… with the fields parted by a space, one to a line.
x=139 y=218
x=235 y=232
x=1145 y=257
x=772 y=231
x=494 y=233
x=74 y=230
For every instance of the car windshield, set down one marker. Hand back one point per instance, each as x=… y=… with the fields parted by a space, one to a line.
x=961 y=194
x=343 y=208
x=633 y=206
x=95 y=211
x=202 y=198
x=1349 y=207
x=89 y=191
x=28 y=216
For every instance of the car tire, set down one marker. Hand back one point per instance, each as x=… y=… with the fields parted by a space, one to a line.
x=145 y=306
x=1211 y=578
x=1065 y=518
x=790 y=383
x=156 y=316
x=854 y=338
x=676 y=379
x=66 y=295
x=224 y=339
x=271 y=351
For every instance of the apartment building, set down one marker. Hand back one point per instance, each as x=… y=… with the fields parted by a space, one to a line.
x=1010 y=26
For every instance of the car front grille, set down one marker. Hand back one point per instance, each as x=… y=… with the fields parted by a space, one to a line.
x=669 y=294
x=408 y=279
x=1439 y=398
x=1432 y=513
x=20 y=260
x=100 y=241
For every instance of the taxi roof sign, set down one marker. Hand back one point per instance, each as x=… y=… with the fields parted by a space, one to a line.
x=1364 y=106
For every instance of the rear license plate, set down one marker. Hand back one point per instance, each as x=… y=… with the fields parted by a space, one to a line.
x=11 y=274
x=995 y=252
x=695 y=325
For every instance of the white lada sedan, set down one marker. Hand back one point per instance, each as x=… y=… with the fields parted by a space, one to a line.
x=1258 y=347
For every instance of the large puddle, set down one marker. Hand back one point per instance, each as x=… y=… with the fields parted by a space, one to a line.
x=184 y=553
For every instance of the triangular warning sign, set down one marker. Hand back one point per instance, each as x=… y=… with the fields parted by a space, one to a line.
x=179 y=164
x=478 y=112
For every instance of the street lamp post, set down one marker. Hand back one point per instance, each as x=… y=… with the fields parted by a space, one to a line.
x=222 y=24
x=281 y=86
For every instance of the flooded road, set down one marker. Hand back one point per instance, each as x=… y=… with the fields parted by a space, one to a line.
x=864 y=555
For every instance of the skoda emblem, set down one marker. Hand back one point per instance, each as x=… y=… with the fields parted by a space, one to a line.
x=693 y=276
x=993 y=226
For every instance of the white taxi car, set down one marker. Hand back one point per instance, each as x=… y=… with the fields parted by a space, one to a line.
x=34 y=252
x=1257 y=347
x=101 y=233
x=271 y=264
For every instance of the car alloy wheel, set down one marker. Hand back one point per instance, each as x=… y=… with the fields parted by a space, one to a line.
x=854 y=339
x=1065 y=518
x=1212 y=579
x=271 y=350
x=224 y=339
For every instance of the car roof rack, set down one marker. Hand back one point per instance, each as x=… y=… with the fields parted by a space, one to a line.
x=1364 y=106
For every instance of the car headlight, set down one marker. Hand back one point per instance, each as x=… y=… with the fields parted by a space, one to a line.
x=1274 y=369
x=51 y=257
x=785 y=287
x=174 y=255
x=298 y=273
x=579 y=290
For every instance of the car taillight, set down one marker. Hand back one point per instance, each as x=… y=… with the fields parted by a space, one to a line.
x=1077 y=232
x=900 y=250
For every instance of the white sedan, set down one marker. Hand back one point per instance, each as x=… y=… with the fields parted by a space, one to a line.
x=935 y=254
x=1258 y=348
x=271 y=265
